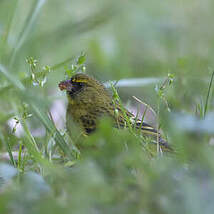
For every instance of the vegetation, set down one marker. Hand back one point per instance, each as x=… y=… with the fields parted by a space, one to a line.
x=161 y=53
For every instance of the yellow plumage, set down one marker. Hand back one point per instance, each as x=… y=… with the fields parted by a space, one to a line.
x=89 y=100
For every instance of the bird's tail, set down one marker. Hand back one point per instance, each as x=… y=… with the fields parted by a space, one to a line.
x=150 y=131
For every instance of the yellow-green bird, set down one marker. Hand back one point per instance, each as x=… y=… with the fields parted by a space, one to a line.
x=89 y=100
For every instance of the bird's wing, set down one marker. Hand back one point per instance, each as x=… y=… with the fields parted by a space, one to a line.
x=146 y=129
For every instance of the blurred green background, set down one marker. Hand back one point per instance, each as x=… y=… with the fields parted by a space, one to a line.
x=122 y=39
x=40 y=170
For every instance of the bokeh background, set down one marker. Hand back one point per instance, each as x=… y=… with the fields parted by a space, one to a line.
x=140 y=42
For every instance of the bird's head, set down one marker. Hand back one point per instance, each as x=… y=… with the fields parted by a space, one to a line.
x=82 y=86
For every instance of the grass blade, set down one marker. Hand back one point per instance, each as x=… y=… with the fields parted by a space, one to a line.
x=28 y=26
x=40 y=112
x=8 y=149
x=208 y=94
x=16 y=83
x=27 y=80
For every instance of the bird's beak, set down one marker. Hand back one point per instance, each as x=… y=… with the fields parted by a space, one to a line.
x=65 y=85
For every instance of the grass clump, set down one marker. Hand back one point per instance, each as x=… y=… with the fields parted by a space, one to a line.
x=41 y=169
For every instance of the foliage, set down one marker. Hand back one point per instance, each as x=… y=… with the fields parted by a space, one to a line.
x=42 y=170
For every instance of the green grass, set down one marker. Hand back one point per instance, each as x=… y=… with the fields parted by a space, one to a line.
x=116 y=171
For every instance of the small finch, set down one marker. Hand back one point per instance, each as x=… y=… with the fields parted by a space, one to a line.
x=89 y=100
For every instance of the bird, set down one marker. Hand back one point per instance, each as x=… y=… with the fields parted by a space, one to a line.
x=89 y=101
